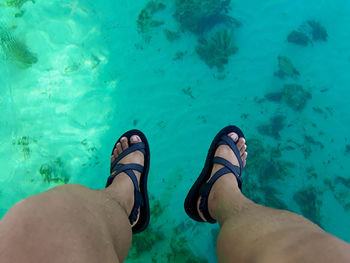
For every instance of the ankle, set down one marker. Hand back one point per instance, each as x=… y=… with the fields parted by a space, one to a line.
x=226 y=199
x=120 y=192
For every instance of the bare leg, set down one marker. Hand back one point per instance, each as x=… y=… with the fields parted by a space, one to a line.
x=253 y=233
x=72 y=223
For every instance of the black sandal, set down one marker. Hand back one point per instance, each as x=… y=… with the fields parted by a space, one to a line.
x=141 y=195
x=201 y=187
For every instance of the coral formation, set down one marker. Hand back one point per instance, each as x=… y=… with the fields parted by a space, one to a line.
x=318 y=32
x=298 y=38
x=273 y=128
x=264 y=171
x=295 y=96
x=216 y=51
x=286 y=68
x=312 y=29
x=171 y=36
x=15 y=50
x=145 y=19
x=274 y=96
x=309 y=204
x=53 y=172
x=179 y=55
x=292 y=94
x=199 y=16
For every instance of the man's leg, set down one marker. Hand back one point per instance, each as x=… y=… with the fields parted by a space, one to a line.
x=72 y=223
x=253 y=233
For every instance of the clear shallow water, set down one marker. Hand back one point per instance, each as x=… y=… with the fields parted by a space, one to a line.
x=81 y=73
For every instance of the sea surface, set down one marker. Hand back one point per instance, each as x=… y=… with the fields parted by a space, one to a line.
x=75 y=75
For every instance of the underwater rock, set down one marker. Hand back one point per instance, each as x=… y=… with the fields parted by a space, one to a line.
x=295 y=96
x=15 y=50
x=319 y=33
x=53 y=172
x=309 y=204
x=216 y=51
x=298 y=38
x=199 y=16
x=145 y=19
x=286 y=68
x=273 y=128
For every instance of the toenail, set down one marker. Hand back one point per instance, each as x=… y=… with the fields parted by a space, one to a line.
x=234 y=137
x=134 y=138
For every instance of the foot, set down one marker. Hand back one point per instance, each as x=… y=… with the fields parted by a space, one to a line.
x=122 y=183
x=225 y=152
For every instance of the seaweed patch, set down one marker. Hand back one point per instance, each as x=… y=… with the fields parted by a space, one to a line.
x=15 y=50
x=54 y=172
x=215 y=51
x=145 y=19
x=17 y=3
x=307 y=199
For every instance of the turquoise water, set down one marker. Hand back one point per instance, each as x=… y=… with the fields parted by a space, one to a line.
x=75 y=75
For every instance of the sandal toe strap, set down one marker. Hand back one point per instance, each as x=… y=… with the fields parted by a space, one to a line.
x=140 y=146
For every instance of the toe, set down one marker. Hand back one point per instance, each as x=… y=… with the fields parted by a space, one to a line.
x=119 y=148
x=135 y=139
x=243 y=149
x=234 y=136
x=240 y=143
x=115 y=152
x=112 y=158
x=244 y=157
x=124 y=142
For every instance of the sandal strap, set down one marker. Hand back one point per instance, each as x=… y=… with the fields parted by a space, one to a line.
x=228 y=168
x=205 y=190
x=138 y=199
x=140 y=146
x=226 y=140
x=233 y=168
